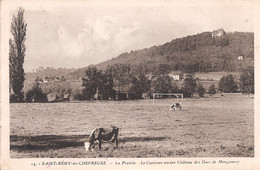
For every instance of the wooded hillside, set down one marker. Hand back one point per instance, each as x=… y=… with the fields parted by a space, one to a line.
x=196 y=53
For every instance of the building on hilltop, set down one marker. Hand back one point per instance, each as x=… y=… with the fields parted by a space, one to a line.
x=151 y=76
x=218 y=33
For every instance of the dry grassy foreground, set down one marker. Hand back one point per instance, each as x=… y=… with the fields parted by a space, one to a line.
x=206 y=127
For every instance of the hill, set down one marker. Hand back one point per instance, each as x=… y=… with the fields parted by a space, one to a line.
x=204 y=52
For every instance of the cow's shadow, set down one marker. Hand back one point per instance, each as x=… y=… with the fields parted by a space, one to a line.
x=142 y=139
x=45 y=142
x=48 y=142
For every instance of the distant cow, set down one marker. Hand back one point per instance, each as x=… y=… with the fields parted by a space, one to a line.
x=100 y=135
x=176 y=106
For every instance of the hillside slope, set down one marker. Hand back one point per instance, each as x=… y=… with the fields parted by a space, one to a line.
x=198 y=53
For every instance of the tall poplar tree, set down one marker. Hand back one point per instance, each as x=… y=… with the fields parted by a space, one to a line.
x=17 y=50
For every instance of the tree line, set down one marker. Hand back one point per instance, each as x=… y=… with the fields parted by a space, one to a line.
x=119 y=79
x=118 y=83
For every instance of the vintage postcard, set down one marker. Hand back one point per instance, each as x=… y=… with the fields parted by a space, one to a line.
x=129 y=85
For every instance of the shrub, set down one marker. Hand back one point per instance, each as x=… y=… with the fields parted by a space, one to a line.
x=201 y=90
x=212 y=89
x=36 y=95
x=247 y=81
x=13 y=98
x=78 y=96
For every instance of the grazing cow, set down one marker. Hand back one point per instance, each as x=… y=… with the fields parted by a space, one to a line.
x=176 y=106
x=100 y=135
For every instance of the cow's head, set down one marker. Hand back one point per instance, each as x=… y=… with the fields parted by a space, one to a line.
x=89 y=145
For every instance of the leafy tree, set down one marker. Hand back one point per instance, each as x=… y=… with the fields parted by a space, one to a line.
x=201 y=90
x=162 y=69
x=212 y=89
x=247 y=81
x=189 y=84
x=121 y=76
x=227 y=84
x=97 y=81
x=106 y=89
x=63 y=78
x=141 y=84
x=175 y=88
x=163 y=84
x=38 y=79
x=91 y=83
x=77 y=94
x=221 y=41
x=16 y=54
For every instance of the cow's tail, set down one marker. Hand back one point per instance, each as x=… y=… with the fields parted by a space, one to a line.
x=115 y=127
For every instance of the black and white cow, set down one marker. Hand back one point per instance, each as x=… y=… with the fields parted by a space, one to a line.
x=176 y=106
x=101 y=135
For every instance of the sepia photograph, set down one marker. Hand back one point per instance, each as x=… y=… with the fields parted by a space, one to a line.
x=145 y=80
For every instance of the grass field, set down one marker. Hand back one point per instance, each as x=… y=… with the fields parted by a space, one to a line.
x=206 y=127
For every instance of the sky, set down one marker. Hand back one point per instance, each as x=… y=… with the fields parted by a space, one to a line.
x=75 y=37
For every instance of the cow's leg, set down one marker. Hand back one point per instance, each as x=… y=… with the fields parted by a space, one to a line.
x=99 y=144
x=116 y=143
x=114 y=139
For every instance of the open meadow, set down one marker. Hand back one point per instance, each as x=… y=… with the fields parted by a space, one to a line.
x=206 y=127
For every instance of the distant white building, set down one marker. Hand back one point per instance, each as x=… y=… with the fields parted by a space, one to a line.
x=56 y=78
x=151 y=76
x=40 y=69
x=176 y=75
x=240 y=58
x=45 y=80
x=40 y=81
